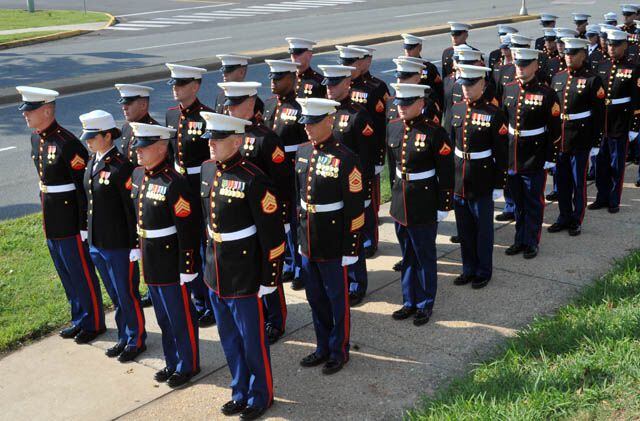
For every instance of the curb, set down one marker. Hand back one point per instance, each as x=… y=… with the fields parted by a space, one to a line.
x=53 y=37
x=159 y=71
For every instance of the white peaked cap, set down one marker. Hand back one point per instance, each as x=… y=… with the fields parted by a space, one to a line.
x=233 y=59
x=300 y=43
x=459 y=26
x=179 y=71
x=33 y=94
x=280 y=66
x=408 y=66
x=224 y=123
x=351 y=52
x=151 y=130
x=127 y=91
x=317 y=106
x=336 y=70
x=411 y=39
x=468 y=71
x=236 y=89
x=97 y=120
x=409 y=90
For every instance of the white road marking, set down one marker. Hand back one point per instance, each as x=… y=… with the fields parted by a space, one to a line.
x=136 y=25
x=175 y=10
x=433 y=12
x=172 y=22
x=178 y=43
x=152 y=22
x=191 y=20
x=315 y=3
x=241 y=14
x=7 y=149
x=250 y=11
x=290 y=6
x=293 y=3
x=269 y=9
x=118 y=28
x=198 y=18
x=206 y=15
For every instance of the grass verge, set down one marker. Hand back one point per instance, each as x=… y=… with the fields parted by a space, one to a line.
x=25 y=35
x=19 y=19
x=583 y=363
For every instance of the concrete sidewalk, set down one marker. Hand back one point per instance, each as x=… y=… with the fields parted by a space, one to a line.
x=392 y=363
x=93 y=26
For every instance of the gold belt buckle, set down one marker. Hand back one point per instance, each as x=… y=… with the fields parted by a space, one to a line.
x=311 y=208
x=142 y=232
x=43 y=188
x=607 y=101
x=217 y=237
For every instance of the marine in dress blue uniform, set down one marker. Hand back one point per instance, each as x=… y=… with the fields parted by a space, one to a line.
x=60 y=160
x=430 y=75
x=353 y=128
x=581 y=20
x=479 y=137
x=281 y=114
x=190 y=150
x=134 y=100
x=421 y=197
x=459 y=33
x=308 y=81
x=496 y=55
x=533 y=115
x=265 y=149
x=234 y=69
x=168 y=226
x=329 y=191
x=245 y=252
x=620 y=77
x=111 y=227
x=547 y=21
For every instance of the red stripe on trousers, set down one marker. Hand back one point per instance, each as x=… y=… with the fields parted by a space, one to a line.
x=263 y=348
x=347 y=314
x=542 y=202
x=621 y=183
x=136 y=304
x=192 y=336
x=92 y=291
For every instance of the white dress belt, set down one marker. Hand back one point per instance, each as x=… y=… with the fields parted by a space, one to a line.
x=157 y=233
x=473 y=155
x=327 y=207
x=624 y=100
x=219 y=237
x=291 y=148
x=577 y=116
x=189 y=170
x=416 y=175
x=59 y=188
x=527 y=133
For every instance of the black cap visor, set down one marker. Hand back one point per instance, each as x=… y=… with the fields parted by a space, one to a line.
x=523 y=62
x=91 y=133
x=180 y=81
x=409 y=47
x=347 y=61
x=230 y=68
x=278 y=75
x=141 y=142
x=218 y=134
x=297 y=51
x=469 y=81
x=235 y=100
x=311 y=119
x=405 y=101
x=405 y=75
x=573 y=51
x=333 y=81
x=30 y=105
x=457 y=33
x=128 y=99
x=615 y=42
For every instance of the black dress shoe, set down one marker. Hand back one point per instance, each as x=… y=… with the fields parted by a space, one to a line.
x=552 y=197
x=233 y=408
x=638 y=183
x=70 y=332
x=421 y=317
x=145 y=301
x=206 y=320
x=403 y=313
x=355 y=298
x=455 y=239
x=463 y=279
x=131 y=354
x=614 y=209
x=369 y=252
x=397 y=267
x=596 y=206
x=332 y=367
x=313 y=360
x=505 y=216
x=86 y=336
x=479 y=282
x=575 y=230
x=178 y=379
x=115 y=350
x=163 y=375
x=297 y=284
x=557 y=227
x=530 y=252
x=286 y=277
x=273 y=334
x=252 y=413
x=514 y=249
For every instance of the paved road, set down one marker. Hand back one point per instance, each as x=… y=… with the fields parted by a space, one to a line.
x=18 y=191
x=187 y=34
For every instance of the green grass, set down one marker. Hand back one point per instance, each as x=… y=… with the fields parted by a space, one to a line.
x=583 y=363
x=16 y=37
x=32 y=300
x=19 y=19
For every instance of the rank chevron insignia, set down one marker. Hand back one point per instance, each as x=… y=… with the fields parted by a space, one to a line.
x=77 y=163
x=355 y=181
x=367 y=131
x=269 y=203
x=278 y=155
x=276 y=252
x=182 y=208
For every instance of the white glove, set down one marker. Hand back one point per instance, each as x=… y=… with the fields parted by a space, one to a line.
x=632 y=136
x=135 y=255
x=442 y=215
x=185 y=278
x=548 y=165
x=594 y=151
x=497 y=194
x=287 y=228
x=265 y=291
x=349 y=260
x=84 y=235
